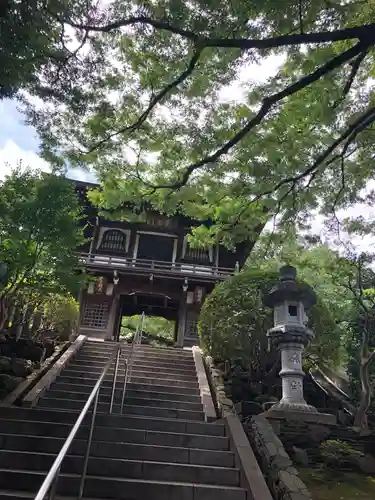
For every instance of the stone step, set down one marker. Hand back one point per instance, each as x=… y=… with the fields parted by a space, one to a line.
x=7 y=494
x=140 y=364
x=158 y=351
x=116 y=421
x=114 y=434
x=122 y=489
x=137 y=379
x=152 y=411
x=87 y=386
x=107 y=390
x=144 y=360
x=149 y=353
x=130 y=469
x=136 y=371
x=129 y=451
x=81 y=376
x=130 y=400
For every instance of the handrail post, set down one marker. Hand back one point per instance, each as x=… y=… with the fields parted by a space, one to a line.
x=88 y=447
x=114 y=380
x=137 y=340
x=53 y=490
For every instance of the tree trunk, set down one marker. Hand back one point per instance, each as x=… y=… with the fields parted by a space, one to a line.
x=4 y=313
x=360 y=419
x=17 y=317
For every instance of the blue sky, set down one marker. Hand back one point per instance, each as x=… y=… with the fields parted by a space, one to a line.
x=19 y=141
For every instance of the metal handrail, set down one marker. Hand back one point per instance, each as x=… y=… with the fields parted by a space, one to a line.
x=120 y=352
x=50 y=482
x=137 y=340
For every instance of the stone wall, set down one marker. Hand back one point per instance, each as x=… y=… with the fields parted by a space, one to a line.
x=280 y=474
x=224 y=405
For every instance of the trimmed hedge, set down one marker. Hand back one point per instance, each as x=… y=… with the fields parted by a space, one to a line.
x=233 y=322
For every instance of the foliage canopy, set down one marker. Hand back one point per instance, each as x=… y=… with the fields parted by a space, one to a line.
x=159 y=99
x=39 y=233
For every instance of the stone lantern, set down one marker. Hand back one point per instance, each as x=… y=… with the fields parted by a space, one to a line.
x=290 y=301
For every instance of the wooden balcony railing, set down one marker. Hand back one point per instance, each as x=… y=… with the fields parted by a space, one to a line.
x=154 y=266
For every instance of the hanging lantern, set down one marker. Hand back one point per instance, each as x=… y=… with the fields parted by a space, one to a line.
x=198 y=294
x=101 y=284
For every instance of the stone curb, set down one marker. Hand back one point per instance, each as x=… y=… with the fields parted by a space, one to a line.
x=278 y=469
x=204 y=387
x=225 y=405
x=38 y=390
x=251 y=477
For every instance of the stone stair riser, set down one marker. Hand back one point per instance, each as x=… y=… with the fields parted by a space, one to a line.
x=141 y=365
x=130 y=400
x=107 y=434
x=123 y=489
x=88 y=385
x=130 y=451
x=107 y=391
x=184 y=361
x=135 y=371
x=71 y=404
x=117 y=421
x=135 y=379
x=129 y=469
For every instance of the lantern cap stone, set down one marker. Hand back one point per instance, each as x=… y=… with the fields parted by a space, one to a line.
x=288 y=273
x=288 y=288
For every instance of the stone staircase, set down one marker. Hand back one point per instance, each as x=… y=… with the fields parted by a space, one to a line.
x=160 y=448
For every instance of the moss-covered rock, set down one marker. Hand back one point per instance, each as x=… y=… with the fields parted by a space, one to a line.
x=8 y=382
x=21 y=367
x=5 y=364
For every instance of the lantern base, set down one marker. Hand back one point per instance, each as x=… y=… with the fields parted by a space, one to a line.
x=300 y=407
x=311 y=416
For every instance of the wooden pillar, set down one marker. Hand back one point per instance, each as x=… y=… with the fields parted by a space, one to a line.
x=113 y=319
x=181 y=321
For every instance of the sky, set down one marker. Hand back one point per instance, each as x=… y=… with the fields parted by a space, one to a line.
x=19 y=142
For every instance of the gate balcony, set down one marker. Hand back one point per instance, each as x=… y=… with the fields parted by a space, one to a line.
x=158 y=268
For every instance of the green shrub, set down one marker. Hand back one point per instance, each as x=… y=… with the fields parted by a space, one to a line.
x=233 y=322
x=61 y=313
x=336 y=453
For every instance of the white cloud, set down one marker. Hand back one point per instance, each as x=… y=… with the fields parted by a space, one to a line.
x=248 y=75
x=11 y=154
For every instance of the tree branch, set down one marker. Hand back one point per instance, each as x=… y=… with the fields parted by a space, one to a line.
x=351 y=132
x=365 y=33
x=267 y=105
x=71 y=55
x=355 y=67
x=153 y=102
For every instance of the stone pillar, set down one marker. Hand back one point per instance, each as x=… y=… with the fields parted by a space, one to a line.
x=292 y=376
